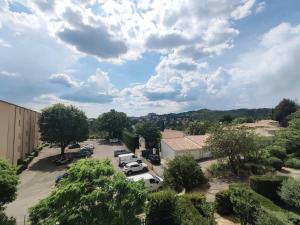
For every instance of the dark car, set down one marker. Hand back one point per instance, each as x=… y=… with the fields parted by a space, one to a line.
x=121 y=152
x=146 y=153
x=87 y=148
x=154 y=159
x=62 y=161
x=75 y=145
x=84 y=153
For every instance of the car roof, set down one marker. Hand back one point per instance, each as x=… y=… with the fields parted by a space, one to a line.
x=132 y=163
x=124 y=155
x=145 y=176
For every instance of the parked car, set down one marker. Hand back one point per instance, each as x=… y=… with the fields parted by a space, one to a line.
x=128 y=158
x=60 y=177
x=121 y=152
x=134 y=167
x=113 y=140
x=62 y=161
x=152 y=182
x=84 y=153
x=87 y=148
x=74 y=145
x=91 y=146
x=146 y=153
x=154 y=159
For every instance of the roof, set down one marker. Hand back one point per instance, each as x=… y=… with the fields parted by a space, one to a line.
x=124 y=155
x=145 y=176
x=167 y=134
x=187 y=143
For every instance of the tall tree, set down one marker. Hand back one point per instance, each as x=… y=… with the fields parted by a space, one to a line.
x=231 y=143
x=62 y=125
x=150 y=133
x=113 y=123
x=283 y=110
x=93 y=193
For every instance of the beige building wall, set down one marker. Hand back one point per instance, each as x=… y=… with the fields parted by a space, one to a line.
x=19 y=133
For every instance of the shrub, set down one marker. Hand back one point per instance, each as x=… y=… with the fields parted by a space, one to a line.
x=130 y=140
x=277 y=151
x=184 y=172
x=218 y=169
x=266 y=217
x=187 y=214
x=161 y=207
x=223 y=203
x=275 y=162
x=205 y=208
x=267 y=186
x=293 y=163
x=255 y=168
x=4 y=220
x=290 y=192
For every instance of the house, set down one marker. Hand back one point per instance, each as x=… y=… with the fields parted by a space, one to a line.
x=178 y=144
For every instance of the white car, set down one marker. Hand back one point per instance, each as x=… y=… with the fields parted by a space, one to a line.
x=134 y=167
x=152 y=182
x=91 y=146
x=128 y=158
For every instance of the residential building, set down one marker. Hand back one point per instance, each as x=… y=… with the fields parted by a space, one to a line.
x=19 y=132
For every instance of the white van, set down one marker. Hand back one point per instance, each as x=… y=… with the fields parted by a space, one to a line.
x=128 y=158
x=152 y=183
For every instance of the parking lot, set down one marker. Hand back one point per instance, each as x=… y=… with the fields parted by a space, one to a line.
x=38 y=180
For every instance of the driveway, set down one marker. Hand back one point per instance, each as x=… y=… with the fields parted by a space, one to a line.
x=38 y=181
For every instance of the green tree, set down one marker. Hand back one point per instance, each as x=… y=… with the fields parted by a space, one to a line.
x=150 y=133
x=231 y=143
x=226 y=119
x=290 y=192
x=198 y=127
x=184 y=172
x=283 y=110
x=113 y=123
x=93 y=193
x=8 y=189
x=62 y=125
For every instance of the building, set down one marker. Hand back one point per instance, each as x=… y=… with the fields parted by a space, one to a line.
x=19 y=133
x=175 y=143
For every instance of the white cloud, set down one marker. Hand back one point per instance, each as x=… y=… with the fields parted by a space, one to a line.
x=4 y=44
x=244 y=10
x=8 y=74
x=63 y=79
x=260 y=7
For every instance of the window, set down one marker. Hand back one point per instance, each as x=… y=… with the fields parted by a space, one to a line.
x=152 y=181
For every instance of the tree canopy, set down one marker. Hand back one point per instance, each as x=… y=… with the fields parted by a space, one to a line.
x=231 y=143
x=183 y=172
x=150 y=133
x=92 y=193
x=62 y=125
x=198 y=127
x=113 y=123
x=283 y=110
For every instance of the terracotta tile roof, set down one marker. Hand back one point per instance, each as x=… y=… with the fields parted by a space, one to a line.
x=167 y=134
x=187 y=143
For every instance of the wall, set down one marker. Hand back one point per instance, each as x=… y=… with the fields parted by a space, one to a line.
x=19 y=133
x=166 y=151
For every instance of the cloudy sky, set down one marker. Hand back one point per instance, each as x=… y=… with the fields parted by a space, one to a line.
x=141 y=56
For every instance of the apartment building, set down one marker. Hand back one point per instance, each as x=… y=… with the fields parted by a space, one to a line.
x=19 y=132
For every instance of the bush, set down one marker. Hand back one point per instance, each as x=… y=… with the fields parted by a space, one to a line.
x=275 y=162
x=255 y=168
x=218 y=169
x=290 y=192
x=223 y=203
x=293 y=163
x=267 y=186
x=265 y=217
x=130 y=140
x=277 y=151
x=184 y=172
x=187 y=214
x=161 y=207
x=4 y=220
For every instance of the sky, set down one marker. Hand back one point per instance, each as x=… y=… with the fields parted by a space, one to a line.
x=142 y=56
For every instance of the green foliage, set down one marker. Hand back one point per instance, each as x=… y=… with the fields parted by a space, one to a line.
x=130 y=140
x=113 y=123
x=198 y=127
x=150 y=133
x=231 y=143
x=161 y=207
x=266 y=217
x=4 y=220
x=283 y=110
x=62 y=125
x=290 y=192
x=277 y=151
x=267 y=186
x=223 y=203
x=8 y=183
x=241 y=120
x=93 y=193
x=226 y=119
x=183 y=172
x=293 y=163
x=275 y=162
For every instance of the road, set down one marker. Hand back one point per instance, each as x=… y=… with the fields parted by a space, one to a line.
x=38 y=181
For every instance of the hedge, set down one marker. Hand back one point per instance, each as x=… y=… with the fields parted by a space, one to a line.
x=275 y=162
x=223 y=203
x=130 y=140
x=293 y=163
x=267 y=186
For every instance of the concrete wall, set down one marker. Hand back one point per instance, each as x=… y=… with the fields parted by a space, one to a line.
x=166 y=151
x=18 y=131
